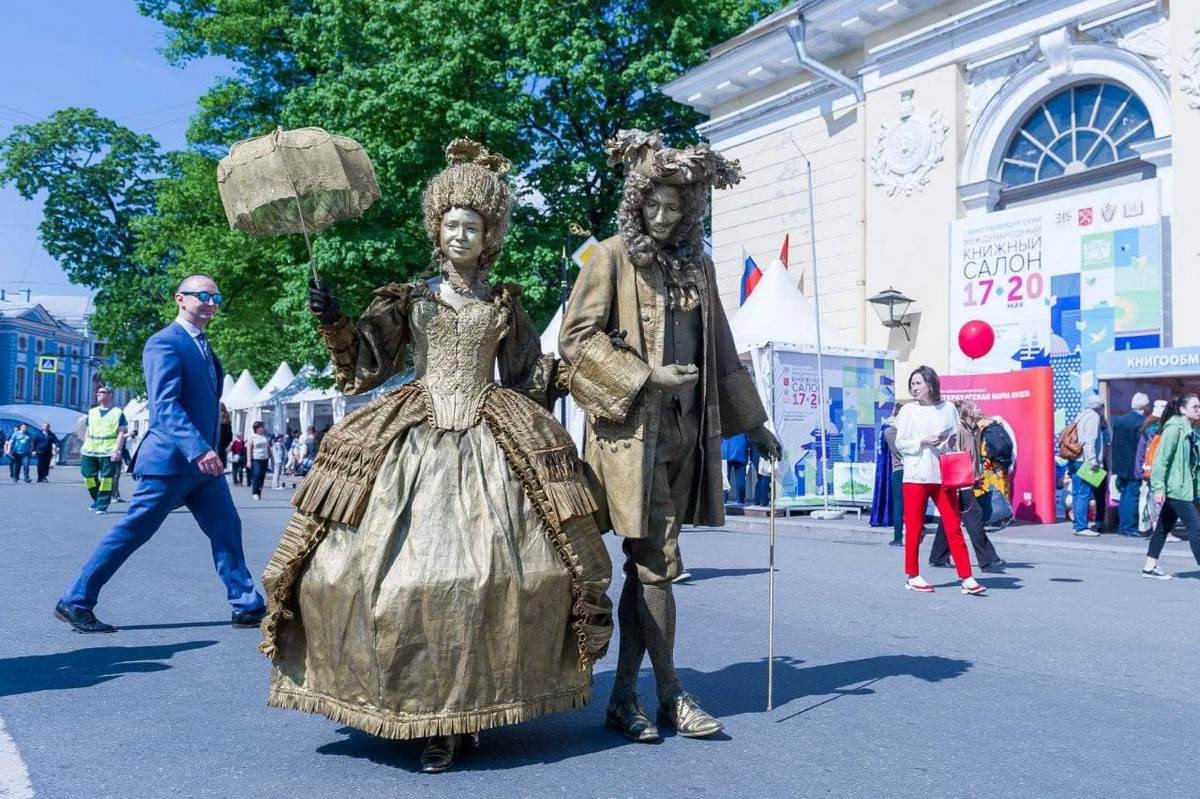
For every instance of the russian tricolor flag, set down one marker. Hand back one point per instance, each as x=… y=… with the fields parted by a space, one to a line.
x=751 y=274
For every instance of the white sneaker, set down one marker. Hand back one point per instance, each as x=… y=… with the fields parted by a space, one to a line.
x=1088 y=533
x=972 y=587
x=1156 y=574
x=918 y=584
x=1173 y=539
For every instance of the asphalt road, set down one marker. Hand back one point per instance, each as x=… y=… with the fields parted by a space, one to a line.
x=1072 y=677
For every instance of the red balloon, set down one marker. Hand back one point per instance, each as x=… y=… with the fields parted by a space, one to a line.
x=976 y=338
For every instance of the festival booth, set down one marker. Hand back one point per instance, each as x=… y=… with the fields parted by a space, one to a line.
x=239 y=398
x=260 y=407
x=776 y=331
x=1160 y=373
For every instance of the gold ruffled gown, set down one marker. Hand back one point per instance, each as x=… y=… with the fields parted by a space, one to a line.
x=443 y=573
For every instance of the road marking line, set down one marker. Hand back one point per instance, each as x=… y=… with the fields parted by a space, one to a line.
x=14 y=776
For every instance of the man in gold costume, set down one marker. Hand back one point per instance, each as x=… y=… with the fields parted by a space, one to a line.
x=649 y=356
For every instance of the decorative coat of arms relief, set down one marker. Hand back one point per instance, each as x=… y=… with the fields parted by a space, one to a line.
x=905 y=152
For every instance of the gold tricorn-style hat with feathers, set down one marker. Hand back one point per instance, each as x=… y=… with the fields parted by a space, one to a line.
x=643 y=152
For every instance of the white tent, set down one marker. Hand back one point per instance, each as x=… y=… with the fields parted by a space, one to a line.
x=242 y=393
x=777 y=312
x=282 y=378
x=574 y=416
x=227 y=386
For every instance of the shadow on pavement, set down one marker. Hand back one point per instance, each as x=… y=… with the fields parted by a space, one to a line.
x=742 y=687
x=1065 y=580
x=83 y=668
x=710 y=574
x=183 y=625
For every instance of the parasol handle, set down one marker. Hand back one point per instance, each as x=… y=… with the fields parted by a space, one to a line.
x=299 y=209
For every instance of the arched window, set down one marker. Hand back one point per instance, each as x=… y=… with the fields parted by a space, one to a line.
x=1077 y=129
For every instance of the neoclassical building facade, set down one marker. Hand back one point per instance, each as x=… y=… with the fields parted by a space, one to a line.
x=1013 y=161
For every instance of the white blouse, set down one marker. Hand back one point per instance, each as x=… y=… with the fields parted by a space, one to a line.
x=916 y=422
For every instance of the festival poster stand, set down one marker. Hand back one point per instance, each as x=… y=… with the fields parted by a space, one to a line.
x=860 y=394
x=1024 y=400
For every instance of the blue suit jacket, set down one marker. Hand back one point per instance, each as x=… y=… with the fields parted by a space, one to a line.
x=185 y=407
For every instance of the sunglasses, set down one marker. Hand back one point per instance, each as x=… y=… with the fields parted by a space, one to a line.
x=205 y=296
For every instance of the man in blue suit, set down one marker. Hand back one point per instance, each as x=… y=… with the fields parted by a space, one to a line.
x=177 y=465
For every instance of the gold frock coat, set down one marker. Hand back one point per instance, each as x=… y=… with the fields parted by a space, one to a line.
x=612 y=334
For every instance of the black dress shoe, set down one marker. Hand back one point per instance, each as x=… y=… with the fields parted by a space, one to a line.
x=995 y=567
x=628 y=718
x=946 y=564
x=683 y=714
x=248 y=618
x=439 y=752
x=84 y=621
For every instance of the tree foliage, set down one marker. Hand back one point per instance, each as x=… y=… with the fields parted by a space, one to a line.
x=543 y=81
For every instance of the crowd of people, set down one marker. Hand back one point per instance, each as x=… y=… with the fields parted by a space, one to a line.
x=287 y=457
x=25 y=448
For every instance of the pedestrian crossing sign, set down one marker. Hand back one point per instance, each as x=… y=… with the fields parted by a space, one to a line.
x=47 y=364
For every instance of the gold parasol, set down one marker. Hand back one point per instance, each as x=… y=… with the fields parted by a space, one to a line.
x=295 y=181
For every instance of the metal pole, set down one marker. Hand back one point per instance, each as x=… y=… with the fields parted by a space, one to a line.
x=771 y=596
x=812 y=238
x=564 y=290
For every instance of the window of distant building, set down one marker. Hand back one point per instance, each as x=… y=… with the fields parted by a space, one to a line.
x=37 y=387
x=59 y=389
x=19 y=388
x=22 y=343
x=74 y=392
x=1077 y=130
x=39 y=345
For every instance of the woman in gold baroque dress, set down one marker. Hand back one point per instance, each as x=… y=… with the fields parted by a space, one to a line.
x=443 y=573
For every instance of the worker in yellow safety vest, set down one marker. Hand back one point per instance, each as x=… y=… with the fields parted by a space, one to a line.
x=102 y=448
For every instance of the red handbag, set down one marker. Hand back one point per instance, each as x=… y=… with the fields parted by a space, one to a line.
x=958 y=469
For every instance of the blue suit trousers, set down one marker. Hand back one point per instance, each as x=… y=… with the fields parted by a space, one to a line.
x=211 y=504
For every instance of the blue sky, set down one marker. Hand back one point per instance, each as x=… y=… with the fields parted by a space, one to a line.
x=90 y=53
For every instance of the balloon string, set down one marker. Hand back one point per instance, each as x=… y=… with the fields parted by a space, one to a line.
x=299 y=209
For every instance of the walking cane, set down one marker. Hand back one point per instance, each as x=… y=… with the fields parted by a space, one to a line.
x=771 y=594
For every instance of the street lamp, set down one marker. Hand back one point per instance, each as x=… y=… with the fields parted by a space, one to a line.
x=892 y=306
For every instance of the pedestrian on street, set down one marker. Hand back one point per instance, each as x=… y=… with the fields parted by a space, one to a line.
x=259 y=451
x=278 y=461
x=971 y=420
x=44 y=445
x=1175 y=481
x=735 y=451
x=1126 y=430
x=237 y=457
x=1087 y=430
x=1148 y=509
x=225 y=438
x=20 y=451
x=925 y=430
x=103 y=444
x=177 y=464
x=896 y=461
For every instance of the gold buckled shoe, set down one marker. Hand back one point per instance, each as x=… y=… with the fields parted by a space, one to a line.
x=683 y=714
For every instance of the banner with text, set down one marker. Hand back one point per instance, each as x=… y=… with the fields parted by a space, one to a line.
x=1061 y=282
x=1021 y=401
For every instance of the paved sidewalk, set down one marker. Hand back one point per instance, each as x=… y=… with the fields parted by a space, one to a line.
x=1021 y=536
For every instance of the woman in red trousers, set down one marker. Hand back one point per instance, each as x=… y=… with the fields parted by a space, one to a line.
x=925 y=429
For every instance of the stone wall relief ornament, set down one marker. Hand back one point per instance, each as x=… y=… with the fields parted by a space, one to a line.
x=906 y=152
x=983 y=83
x=1189 y=71
x=1146 y=35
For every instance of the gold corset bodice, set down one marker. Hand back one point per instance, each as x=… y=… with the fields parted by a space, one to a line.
x=454 y=354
